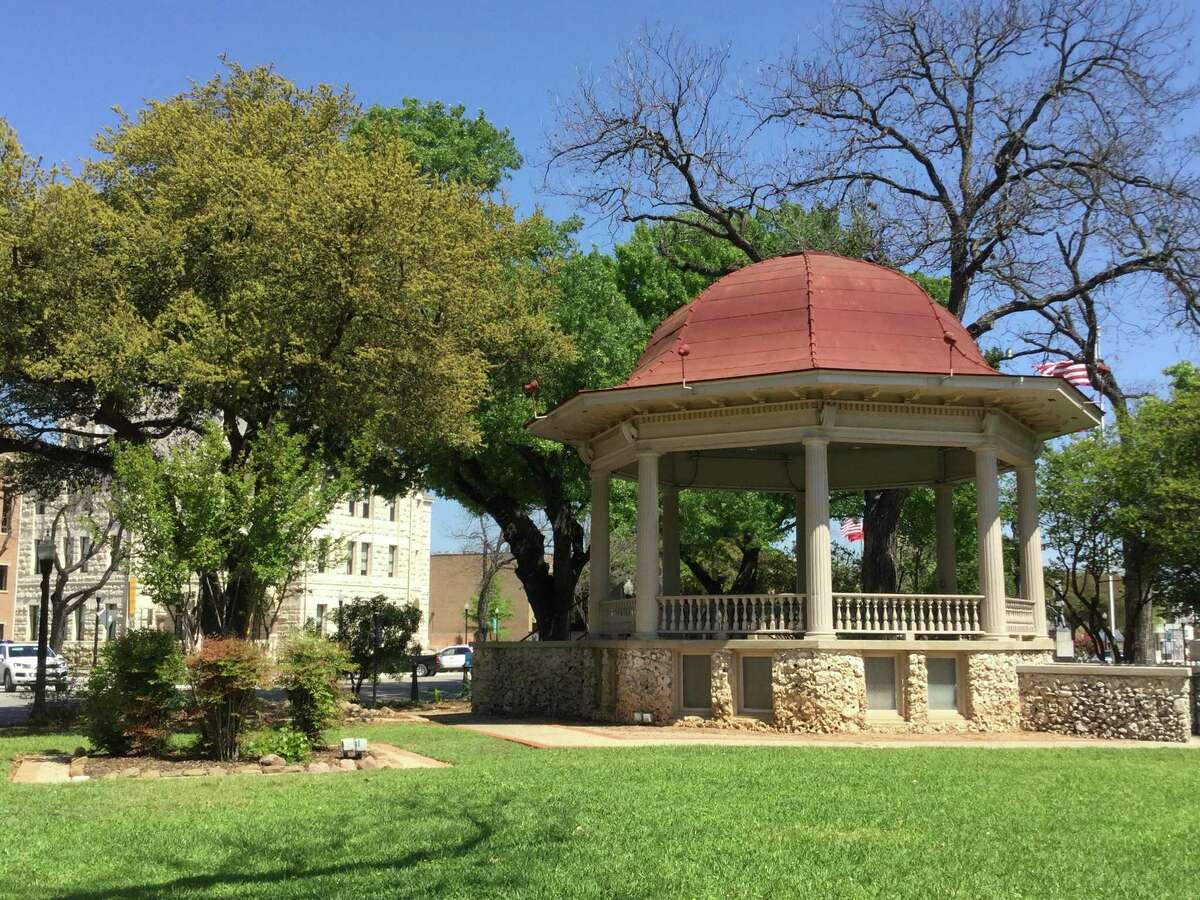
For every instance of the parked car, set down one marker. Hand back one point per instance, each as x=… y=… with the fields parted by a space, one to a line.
x=424 y=663
x=454 y=658
x=18 y=667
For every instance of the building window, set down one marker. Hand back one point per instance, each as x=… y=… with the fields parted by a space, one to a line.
x=366 y=504
x=111 y=626
x=4 y=578
x=68 y=552
x=364 y=560
x=33 y=622
x=697 y=682
x=350 y=558
x=881 y=682
x=6 y=511
x=321 y=608
x=392 y=561
x=321 y=559
x=756 y=683
x=350 y=506
x=85 y=553
x=392 y=510
x=79 y=622
x=943 y=683
x=41 y=507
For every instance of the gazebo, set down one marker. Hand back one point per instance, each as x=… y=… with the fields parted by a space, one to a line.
x=803 y=375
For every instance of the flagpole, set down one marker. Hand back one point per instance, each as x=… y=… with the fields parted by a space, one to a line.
x=1112 y=601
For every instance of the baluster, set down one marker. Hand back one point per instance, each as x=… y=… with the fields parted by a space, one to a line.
x=936 y=617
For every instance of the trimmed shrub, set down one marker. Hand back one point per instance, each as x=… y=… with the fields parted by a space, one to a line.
x=130 y=699
x=289 y=743
x=225 y=674
x=310 y=668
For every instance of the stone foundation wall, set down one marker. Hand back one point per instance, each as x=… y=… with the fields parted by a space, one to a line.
x=722 y=686
x=818 y=692
x=993 y=699
x=645 y=681
x=1134 y=702
x=534 y=680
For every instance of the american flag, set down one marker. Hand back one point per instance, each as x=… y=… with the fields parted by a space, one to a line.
x=852 y=528
x=1074 y=372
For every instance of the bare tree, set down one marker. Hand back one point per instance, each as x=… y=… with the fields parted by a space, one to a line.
x=85 y=534
x=488 y=543
x=981 y=140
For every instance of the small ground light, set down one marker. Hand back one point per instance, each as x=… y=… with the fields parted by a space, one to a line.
x=353 y=748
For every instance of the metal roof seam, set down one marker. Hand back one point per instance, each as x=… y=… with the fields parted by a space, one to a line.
x=812 y=334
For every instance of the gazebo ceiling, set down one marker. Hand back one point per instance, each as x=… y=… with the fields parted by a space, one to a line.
x=814 y=346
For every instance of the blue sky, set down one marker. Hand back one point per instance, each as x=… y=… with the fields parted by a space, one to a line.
x=65 y=65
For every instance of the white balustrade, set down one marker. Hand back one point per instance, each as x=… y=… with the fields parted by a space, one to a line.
x=907 y=613
x=731 y=614
x=616 y=615
x=1019 y=614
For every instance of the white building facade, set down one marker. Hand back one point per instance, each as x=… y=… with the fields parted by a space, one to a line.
x=379 y=546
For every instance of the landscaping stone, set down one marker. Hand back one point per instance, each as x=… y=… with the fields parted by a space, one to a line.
x=367 y=763
x=317 y=768
x=346 y=765
x=78 y=766
x=152 y=773
x=271 y=759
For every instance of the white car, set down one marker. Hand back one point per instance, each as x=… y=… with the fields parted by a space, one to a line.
x=18 y=667
x=451 y=659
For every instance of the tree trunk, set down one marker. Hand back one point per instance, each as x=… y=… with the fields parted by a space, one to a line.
x=1139 y=610
x=746 y=580
x=58 y=624
x=707 y=581
x=881 y=517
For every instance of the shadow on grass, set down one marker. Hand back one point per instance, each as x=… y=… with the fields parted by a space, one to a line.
x=294 y=876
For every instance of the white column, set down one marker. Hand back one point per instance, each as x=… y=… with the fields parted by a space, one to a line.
x=801 y=542
x=819 y=568
x=991 y=550
x=645 y=608
x=598 y=561
x=947 y=572
x=1032 y=586
x=671 y=583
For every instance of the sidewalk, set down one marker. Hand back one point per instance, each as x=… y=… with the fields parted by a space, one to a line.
x=545 y=734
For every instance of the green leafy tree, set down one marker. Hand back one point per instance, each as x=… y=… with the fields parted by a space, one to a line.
x=537 y=491
x=443 y=140
x=1097 y=491
x=495 y=608
x=378 y=634
x=213 y=544
x=241 y=259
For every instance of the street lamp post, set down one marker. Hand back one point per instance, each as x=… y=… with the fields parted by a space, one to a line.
x=45 y=558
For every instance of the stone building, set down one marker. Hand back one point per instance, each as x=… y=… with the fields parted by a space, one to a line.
x=72 y=520
x=10 y=523
x=380 y=545
x=805 y=375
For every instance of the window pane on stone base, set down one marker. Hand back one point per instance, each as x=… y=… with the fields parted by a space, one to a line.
x=881 y=682
x=756 y=682
x=943 y=682
x=697 y=682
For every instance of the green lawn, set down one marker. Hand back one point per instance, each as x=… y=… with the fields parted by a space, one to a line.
x=650 y=822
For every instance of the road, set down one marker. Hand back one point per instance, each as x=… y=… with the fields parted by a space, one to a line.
x=14 y=708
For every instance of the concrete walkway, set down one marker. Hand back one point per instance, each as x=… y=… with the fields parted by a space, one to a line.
x=543 y=734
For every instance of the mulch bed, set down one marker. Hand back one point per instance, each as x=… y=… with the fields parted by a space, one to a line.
x=183 y=766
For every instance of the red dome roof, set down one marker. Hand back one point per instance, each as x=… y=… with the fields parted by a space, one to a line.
x=808 y=311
